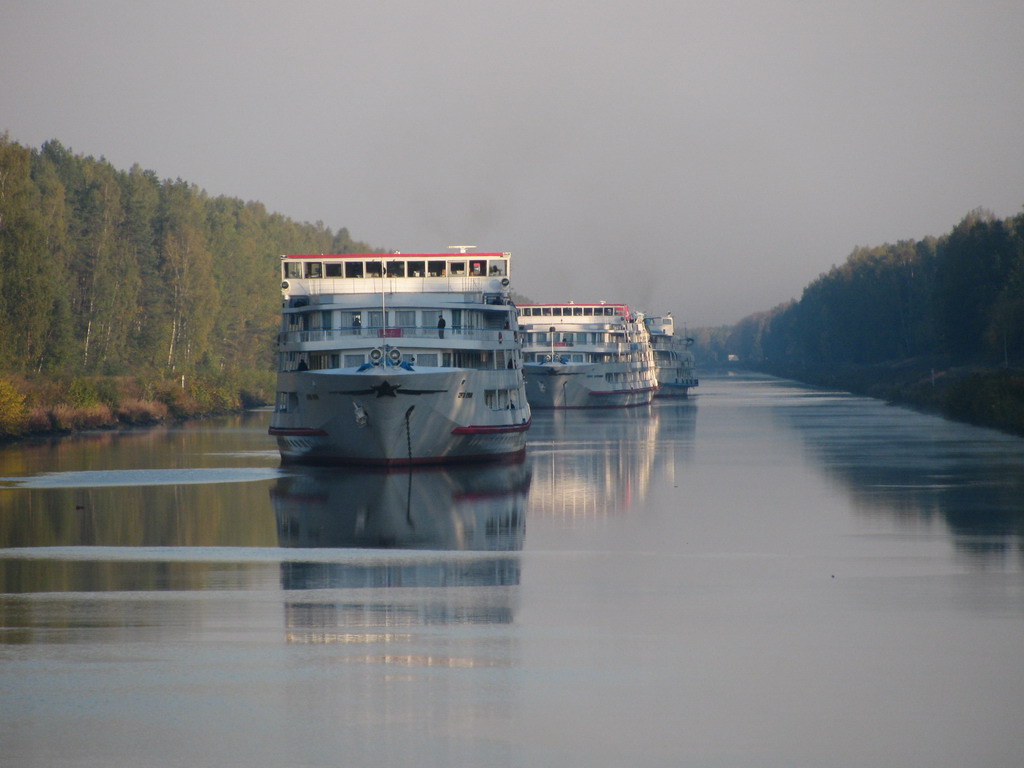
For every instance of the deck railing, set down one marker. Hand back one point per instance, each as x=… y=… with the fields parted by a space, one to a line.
x=375 y=334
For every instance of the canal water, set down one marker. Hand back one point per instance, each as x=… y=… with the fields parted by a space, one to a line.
x=764 y=575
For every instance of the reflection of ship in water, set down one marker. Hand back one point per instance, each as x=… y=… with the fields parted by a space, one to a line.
x=589 y=464
x=430 y=529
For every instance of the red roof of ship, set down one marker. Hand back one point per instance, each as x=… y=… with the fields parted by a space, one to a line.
x=473 y=255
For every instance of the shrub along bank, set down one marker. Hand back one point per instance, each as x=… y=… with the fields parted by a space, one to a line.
x=53 y=405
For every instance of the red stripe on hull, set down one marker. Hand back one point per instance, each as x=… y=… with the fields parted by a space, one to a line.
x=624 y=391
x=498 y=430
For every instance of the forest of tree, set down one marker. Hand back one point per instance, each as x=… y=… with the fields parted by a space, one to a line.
x=110 y=274
x=956 y=300
x=119 y=273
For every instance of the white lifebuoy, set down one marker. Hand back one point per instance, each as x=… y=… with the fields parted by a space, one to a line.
x=376 y=354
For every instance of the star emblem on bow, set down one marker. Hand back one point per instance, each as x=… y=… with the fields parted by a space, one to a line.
x=386 y=389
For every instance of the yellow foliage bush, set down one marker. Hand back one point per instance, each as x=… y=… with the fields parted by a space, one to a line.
x=12 y=410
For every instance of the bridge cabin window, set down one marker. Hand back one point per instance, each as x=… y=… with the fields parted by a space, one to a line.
x=345 y=268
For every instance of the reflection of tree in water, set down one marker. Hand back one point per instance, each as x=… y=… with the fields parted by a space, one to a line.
x=915 y=468
x=38 y=508
x=598 y=463
x=422 y=530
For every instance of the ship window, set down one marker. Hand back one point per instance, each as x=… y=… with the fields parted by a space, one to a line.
x=435 y=268
x=396 y=269
x=353 y=269
x=325 y=320
x=373 y=268
x=314 y=269
x=477 y=267
x=588 y=311
x=376 y=319
x=427 y=359
x=405 y=318
x=332 y=269
x=497 y=267
x=417 y=268
x=496 y=399
x=546 y=311
x=293 y=270
x=458 y=267
x=577 y=310
x=354 y=361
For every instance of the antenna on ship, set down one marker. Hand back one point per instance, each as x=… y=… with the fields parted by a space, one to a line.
x=462 y=248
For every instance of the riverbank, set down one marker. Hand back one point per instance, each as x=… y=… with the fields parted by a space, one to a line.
x=984 y=396
x=42 y=406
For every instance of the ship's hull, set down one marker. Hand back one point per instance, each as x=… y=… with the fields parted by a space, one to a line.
x=569 y=386
x=389 y=416
x=674 y=389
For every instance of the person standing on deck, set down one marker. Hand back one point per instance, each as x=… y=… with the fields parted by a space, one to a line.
x=440 y=326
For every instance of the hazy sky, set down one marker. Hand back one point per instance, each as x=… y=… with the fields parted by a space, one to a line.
x=709 y=158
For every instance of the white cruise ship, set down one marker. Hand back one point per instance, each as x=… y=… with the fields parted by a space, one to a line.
x=399 y=359
x=586 y=356
x=672 y=358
